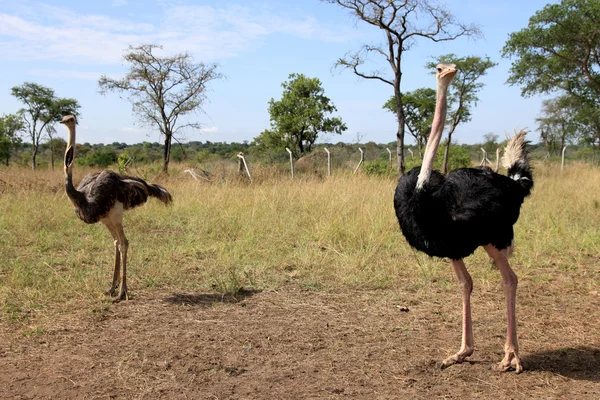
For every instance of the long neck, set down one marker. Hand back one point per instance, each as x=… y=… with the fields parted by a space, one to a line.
x=437 y=128
x=76 y=197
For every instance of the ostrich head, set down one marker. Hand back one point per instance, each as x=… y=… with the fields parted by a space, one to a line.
x=69 y=121
x=445 y=73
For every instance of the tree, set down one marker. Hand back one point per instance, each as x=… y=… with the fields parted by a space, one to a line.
x=163 y=90
x=419 y=107
x=558 y=51
x=402 y=22
x=490 y=142
x=41 y=112
x=299 y=117
x=56 y=146
x=558 y=122
x=463 y=91
x=587 y=119
x=10 y=126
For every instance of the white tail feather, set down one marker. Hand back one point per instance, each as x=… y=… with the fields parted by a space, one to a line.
x=514 y=152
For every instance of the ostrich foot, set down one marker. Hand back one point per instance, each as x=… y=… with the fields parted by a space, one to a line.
x=511 y=361
x=457 y=358
x=112 y=292
x=122 y=294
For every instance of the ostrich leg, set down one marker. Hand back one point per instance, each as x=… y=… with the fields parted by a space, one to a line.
x=466 y=287
x=509 y=281
x=123 y=246
x=117 y=267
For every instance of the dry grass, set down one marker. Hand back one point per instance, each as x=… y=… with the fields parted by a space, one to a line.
x=347 y=309
x=318 y=233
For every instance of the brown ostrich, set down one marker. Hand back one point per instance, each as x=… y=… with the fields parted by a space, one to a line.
x=103 y=196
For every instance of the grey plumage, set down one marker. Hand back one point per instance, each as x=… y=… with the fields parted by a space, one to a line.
x=98 y=193
x=103 y=196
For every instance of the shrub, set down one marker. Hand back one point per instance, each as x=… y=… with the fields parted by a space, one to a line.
x=378 y=168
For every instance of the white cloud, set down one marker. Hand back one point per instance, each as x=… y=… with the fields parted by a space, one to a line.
x=212 y=129
x=119 y=3
x=44 y=32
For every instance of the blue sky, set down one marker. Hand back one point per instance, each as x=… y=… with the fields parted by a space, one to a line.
x=68 y=44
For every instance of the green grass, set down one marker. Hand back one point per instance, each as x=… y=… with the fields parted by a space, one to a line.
x=317 y=233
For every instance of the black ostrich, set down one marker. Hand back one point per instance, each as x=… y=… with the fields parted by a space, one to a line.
x=103 y=196
x=450 y=216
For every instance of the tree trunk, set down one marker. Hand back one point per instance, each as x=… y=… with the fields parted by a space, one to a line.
x=52 y=155
x=445 y=163
x=167 y=155
x=400 y=132
x=563 y=136
x=34 y=150
x=400 y=149
x=447 y=150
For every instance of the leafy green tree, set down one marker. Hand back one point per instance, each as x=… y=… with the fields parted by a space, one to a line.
x=299 y=117
x=56 y=147
x=558 y=50
x=419 y=107
x=10 y=126
x=103 y=157
x=558 y=122
x=463 y=91
x=587 y=119
x=179 y=153
x=163 y=90
x=490 y=142
x=41 y=112
x=402 y=22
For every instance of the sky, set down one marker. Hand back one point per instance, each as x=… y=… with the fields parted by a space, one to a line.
x=68 y=44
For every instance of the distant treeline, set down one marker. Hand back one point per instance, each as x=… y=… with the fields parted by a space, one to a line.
x=197 y=152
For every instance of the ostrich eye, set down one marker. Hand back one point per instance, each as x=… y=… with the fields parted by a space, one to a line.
x=439 y=70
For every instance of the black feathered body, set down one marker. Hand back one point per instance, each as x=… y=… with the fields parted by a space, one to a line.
x=452 y=216
x=98 y=193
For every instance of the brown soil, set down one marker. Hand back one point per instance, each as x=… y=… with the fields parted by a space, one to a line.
x=298 y=344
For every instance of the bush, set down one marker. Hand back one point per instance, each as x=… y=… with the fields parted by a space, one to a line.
x=458 y=157
x=122 y=162
x=101 y=158
x=378 y=168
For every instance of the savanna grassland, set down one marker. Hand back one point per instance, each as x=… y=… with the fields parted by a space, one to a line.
x=282 y=290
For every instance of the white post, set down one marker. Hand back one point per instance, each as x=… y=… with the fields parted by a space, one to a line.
x=241 y=157
x=562 y=163
x=484 y=157
x=390 y=153
x=362 y=158
x=411 y=153
x=291 y=162
x=328 y=162
x=497 y=167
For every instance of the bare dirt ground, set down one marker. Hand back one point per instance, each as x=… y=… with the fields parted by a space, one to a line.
x=299 y=344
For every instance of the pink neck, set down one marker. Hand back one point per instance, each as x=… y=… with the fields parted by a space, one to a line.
x=437 y=128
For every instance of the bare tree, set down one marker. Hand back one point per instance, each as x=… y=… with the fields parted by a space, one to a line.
x=403 y=22
x=163 y=89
